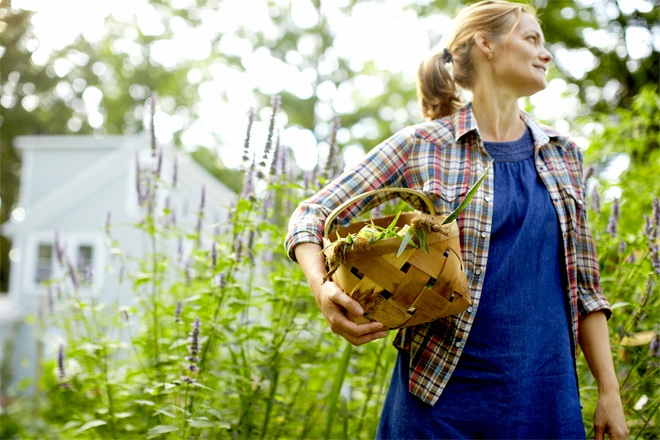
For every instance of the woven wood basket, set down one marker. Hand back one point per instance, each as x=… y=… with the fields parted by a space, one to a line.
x=414 y=288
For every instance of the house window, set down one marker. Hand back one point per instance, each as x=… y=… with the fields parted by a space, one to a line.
x=85 y=259
x=44 y=263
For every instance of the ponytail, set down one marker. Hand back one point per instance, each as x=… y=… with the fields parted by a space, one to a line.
x=437 y=93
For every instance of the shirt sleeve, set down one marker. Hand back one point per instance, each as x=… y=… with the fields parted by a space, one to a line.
x=590 y=297
x=383 y=167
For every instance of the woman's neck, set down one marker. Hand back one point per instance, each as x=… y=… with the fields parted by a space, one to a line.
x=497 y=115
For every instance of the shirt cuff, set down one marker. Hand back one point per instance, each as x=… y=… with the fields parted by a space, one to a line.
x=589 y=302
x=296 y=239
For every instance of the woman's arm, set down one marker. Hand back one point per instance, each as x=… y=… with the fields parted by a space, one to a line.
x=332 y=300
x=595 y=343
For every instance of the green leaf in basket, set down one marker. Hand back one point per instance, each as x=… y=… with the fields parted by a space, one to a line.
x=421 y=237
x=393 y=224
x=467 y=198
x=404 y=242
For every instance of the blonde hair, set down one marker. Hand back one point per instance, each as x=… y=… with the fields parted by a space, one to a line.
x=437 y=92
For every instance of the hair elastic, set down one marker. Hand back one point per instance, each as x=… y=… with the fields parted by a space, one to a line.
x=446 y=56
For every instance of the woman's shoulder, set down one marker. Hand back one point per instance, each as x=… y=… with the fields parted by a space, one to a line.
x=438 y=131
x=555 y=137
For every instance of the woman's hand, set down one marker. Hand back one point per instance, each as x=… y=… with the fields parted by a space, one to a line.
x=332 y=301
x=609 y=418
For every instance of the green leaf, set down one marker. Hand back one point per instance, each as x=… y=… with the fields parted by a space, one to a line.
x=160 y=429
x=165 y=413
x=404 y=242
x=123 y=415
x=619 y=304
x=215 y=412
x=199 y=385
x=393 y=224
x=90 y=425
x=467 y=198
x=178 y=343
x=421 y=237
x=201 y=423
x=144 y=402
x=70 y=425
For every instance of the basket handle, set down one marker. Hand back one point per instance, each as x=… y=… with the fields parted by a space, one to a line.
x=346 y=204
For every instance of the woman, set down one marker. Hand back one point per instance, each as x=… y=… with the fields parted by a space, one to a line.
x=505 y=368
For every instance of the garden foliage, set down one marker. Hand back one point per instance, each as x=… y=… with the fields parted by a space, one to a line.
x=226 y=341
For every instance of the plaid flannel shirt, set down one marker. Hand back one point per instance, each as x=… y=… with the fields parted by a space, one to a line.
x=443 y=158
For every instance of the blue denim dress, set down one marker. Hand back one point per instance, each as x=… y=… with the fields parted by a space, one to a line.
x=515 y=378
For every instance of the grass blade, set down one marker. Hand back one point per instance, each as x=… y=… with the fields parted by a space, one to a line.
x=404 y=242
x=338 y=381
x=467 y=198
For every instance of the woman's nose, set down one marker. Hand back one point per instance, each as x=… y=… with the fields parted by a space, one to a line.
x=545 y=55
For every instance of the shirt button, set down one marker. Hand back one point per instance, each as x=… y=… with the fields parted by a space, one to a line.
x=459 y=344
x=579 y=202
x=487 y=198
x=484 y=235
x=470 y=309
x=478 y=271
x=565 y=234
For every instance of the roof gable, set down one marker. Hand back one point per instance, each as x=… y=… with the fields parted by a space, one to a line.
x=91 y=179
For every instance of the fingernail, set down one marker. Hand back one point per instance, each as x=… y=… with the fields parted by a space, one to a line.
x=358 y=310
x=381 y=335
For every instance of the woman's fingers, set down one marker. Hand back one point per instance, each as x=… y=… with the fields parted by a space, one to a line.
x=356 y=334
x=334 y=303
x=345 y=301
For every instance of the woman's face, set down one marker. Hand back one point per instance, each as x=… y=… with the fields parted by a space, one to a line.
x=522 y=62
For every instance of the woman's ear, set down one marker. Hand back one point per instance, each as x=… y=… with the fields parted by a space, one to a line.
x=483 y=44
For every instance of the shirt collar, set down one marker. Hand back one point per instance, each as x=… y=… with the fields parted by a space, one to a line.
x=464 y=122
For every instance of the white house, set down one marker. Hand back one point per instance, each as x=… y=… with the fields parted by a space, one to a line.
x=69 y=184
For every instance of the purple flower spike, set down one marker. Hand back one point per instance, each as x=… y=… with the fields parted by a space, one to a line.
x=159 y=163
x=177 y=311
x=648 y=229
x=152 y=126
x=613 y=223
x=595 y=201
x=276 y=156
x=654 y=347
x=60 y=362
x=238 y=248
x=202 y=200
x=275 y=105
x=72 y=274
x=175 y=172
x=248 y=134
x=138 y=177
x=250 y=252
x=51 y=298
x=656 y=214
x=108 y=217
x=89 y=275
x=214 y=256
x=655 y=260
x=193 y=350
x=622 y=247
x=331 y=164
